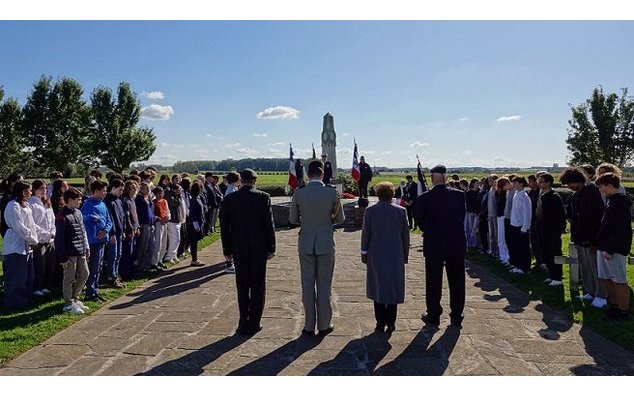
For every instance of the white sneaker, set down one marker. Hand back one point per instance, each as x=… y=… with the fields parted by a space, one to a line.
x=548 y=280
x=230 y=270
x=73 y=308
x=587 y=296
x=46 y=291
x=38 y=293
x=82 y=306
x=556 y=283
x=517 y=271
x=599 y=302
x=543 y=267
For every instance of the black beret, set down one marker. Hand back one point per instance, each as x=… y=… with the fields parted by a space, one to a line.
x=438 y=169
x=248 y=174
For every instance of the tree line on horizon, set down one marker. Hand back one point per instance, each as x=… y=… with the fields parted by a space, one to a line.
x=57 y=129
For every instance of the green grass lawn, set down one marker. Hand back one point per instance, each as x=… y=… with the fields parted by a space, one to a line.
x=22 y=330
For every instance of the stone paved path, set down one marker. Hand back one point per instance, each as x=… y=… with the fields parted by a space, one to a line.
x=184 y=322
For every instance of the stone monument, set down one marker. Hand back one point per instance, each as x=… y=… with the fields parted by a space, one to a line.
x=329 y=142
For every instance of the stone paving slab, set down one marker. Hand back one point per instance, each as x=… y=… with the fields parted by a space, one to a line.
x=184 y=322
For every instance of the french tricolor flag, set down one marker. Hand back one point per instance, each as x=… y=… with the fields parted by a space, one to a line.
x=356 y=172
x=292 y=176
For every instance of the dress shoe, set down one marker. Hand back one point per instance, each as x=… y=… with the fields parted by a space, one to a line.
x=379 y=328
x=429 y=320
x=255 y=330
x=308 y=333
x=101 y=298
x=456 y=324
x=326 y=331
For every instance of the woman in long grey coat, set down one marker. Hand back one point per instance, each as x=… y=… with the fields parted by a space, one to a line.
x=385 y=248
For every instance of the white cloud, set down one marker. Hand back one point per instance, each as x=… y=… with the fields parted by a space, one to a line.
x=260 y=135
x=157 y=112
x=419 y=144
x=278 y=144
x=498 y=160
x=278 y=112
x=275 y=151
x=344 y=151
x=345 y=134
x=509 y=118
x=154 y=95
x=249 y=152
x=464 y=119
x=232 y=145
x=386 y=152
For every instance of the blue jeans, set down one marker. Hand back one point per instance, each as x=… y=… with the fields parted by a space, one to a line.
x=94 y=268
x=19 y=276
x=114 y=257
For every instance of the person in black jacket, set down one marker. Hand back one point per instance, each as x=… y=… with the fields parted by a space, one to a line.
x=248 y=237
x=195 y=222
x=440 y=214
x=117 y=232
x=412 y=193
x=327 y=168
x=584 y=210
x=72 y=250
x=366 y=177
x=614 y=241
x=551 y=221
x=533 y=194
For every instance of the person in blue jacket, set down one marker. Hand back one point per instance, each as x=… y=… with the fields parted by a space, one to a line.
x=98 y=224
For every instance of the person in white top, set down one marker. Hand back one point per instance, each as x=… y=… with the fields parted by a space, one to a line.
x=233 y=182
x=521 y=216
x=16 y=248
x=44 y=252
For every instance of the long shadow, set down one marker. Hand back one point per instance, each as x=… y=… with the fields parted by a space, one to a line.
x=358 y=357
x=518 y=300
x=194 y=363
x=419 y=358
x=274 y=362
x=176 y=283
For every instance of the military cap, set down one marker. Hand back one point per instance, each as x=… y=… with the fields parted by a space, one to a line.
x=438 y=169
x=248 y=174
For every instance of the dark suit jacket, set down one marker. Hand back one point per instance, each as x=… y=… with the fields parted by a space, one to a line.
x=246 y=224
x=412 y=191
x=440 y=213
x=327 y=172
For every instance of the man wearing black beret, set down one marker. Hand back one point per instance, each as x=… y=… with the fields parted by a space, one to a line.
x=248 y=236
x=440 y=213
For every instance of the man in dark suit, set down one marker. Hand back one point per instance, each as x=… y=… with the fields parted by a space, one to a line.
x=248 y=236
x=327 y=168
x=412 y=193
x=440 y=214
x=366 y=177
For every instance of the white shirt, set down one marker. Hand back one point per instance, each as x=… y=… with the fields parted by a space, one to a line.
x=22 y=231
x=230 y=189
x=521 y=211
x=44 y=220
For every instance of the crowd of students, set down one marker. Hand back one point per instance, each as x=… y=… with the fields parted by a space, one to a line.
x=514 y=218
x=60 y=237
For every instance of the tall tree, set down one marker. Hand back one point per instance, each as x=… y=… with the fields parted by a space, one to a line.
x=117 y=141
x=57 y=121
x=12 y=141
x=600 y=131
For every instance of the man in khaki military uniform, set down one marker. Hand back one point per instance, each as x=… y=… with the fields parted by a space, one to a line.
x=316 y=208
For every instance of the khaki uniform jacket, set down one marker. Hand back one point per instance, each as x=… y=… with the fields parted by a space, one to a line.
x=312 y=209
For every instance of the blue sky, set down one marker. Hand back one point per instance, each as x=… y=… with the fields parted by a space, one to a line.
x=462 y=93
